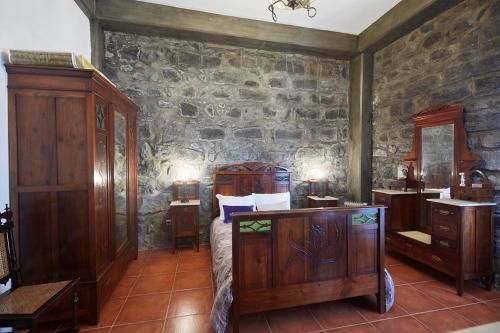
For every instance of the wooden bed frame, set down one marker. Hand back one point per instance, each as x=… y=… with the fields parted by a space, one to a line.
x=305 y=256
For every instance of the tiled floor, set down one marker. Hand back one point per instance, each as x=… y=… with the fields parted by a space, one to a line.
x=162 y=292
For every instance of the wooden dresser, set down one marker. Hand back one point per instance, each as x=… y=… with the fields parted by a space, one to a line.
x=73 y=182
x=455 y=235
x=459 y=242
x=461 y=237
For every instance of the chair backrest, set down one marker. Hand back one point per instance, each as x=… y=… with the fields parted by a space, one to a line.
x=8 y=261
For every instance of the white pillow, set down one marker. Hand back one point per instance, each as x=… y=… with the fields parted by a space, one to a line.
x=284 y=205
x=225 y=200
x=266 y=199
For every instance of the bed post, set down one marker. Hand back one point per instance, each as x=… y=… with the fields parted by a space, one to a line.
x=381 y=262
x=235 y=320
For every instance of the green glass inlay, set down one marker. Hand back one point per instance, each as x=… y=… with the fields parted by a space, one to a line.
x=358 y=219
x=255 y=226
x=282 y=178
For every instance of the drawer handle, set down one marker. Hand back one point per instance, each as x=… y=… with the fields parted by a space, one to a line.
x=436 y=258
x=444 y=243
x=388 y=238
x=445 y=212
x=444 y=228
x=409 y=245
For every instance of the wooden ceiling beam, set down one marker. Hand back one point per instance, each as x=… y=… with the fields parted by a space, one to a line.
x=148 y=18
x=400 y=20
x=136 y=16
x=88 y=7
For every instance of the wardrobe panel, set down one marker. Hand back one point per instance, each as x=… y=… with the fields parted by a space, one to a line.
x=36 y=140
x=71 y=140
x=73 y=224
x=35 y=230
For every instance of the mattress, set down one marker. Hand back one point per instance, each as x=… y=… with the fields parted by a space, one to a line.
x=222 y=256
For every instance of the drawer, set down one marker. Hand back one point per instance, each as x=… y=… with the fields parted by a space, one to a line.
x=445 y=212
x=407 y=247
x=445 y=245
x=444 y=228
x=443 y=262
x=382 y=199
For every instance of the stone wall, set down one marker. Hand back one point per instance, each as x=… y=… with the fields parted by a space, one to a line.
x=206 y=105
x=452 y=58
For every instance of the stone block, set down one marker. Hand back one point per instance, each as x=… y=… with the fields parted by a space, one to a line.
x=171 y=75
x=129 y=52
x=253 y=94
x=235 y=113
x=189 y=110
x=268 y=112
x=488 y=85
x=248 y=133
x=283 y=97
x=188 y=58
x=284 y=134
x=490 y=139
x=277 y=83
x=211 y=61
x=221 y=94
x=305 y=84
x=211 y=134
x=228 y=77
x=251 y=83
x=306 y=113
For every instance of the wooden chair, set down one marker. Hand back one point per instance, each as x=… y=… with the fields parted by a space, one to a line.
x=22 y=306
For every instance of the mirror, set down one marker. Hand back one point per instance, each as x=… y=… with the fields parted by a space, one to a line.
x=437 y=156
x=120 y=179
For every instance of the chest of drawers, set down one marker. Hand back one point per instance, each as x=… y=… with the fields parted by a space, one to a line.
x=462 y=239
x=454 y=236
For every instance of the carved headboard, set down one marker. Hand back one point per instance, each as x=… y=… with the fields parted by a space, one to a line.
x=247 y=178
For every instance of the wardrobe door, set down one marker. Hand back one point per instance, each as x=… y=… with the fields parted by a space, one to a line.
x=102 y=184
x=120 y=178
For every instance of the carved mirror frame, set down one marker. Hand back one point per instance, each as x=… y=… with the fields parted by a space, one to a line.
x=463 y=160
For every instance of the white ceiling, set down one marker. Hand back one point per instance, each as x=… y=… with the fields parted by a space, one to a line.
x=349 y=16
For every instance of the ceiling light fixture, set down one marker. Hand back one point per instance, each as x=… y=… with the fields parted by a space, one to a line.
x=291 y=4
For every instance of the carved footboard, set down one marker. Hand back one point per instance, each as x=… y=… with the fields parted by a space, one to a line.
x=290 y=258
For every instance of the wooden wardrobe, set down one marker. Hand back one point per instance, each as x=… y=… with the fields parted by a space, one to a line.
x=73 y=179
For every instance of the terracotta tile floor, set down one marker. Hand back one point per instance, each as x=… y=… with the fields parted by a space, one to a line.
x=164 y=293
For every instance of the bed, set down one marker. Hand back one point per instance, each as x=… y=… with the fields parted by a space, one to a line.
x=293 y=257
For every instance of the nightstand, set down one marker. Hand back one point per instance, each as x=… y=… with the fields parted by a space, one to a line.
x=317 y=202
x=185 y=217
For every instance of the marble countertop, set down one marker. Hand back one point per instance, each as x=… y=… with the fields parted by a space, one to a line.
x=462 y=203
x=189 y=203
x=395 y=192
x=324 y=198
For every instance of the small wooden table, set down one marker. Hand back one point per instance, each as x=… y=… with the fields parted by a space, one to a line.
x=318 y=202
x=185 y=218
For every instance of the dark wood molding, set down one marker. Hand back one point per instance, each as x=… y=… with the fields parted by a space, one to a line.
x=360 y=128
x=135 y=16
x=88 y=7
x=400 y=20
x=97 y=44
